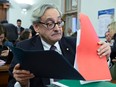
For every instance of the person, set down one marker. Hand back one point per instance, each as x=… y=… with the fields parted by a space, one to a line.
x=48 y=23
x=69 y=32
x=74 y=34
x=108 y=38
x=19 y=27
x=112 y=32
x=11 y=31
x=5 y=53
x=33 y=31
x=25 y=34
x=3 y=21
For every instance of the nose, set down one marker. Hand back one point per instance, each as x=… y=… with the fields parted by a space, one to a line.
x=57 y=27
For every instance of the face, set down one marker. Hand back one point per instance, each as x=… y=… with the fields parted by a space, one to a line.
x=111 y=32
x=50 y=35
x=19 y=24
x=108 y=37
x=112 y=29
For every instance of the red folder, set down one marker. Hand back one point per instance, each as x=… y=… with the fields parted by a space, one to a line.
x=89 y=64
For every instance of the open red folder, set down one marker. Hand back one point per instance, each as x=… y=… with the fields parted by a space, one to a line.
x=89 y=64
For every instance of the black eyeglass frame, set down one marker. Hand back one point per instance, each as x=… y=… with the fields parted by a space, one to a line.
x=60 y=24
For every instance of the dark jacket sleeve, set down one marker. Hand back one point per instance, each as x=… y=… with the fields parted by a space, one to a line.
x=35 y=82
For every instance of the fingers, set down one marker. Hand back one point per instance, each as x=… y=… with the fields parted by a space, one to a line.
x=17 y=67
x=5 y=53
x=114 y=60
x=18 y=71
x=104 y=49
x=21 y=76
x=21 y=72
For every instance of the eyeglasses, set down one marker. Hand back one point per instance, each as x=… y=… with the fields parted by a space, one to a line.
x=51 y=24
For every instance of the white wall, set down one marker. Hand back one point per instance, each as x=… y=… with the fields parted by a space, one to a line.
x=15 y=12
x=91 y=8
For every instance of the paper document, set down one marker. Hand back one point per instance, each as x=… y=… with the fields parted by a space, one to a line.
x=2 y=62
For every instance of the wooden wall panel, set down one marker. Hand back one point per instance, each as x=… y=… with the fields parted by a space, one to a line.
x=3 y=12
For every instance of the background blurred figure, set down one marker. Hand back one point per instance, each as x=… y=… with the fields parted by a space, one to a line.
x=74 y=34
x=108 y=38
x=69 y=33
x=112 y=31
x=11 y=31
x=19 y=27
x=25 y=34
x=3 y=21
x=32 y=29
x=5 y=53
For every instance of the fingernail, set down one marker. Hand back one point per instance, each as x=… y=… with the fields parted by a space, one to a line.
x=100 y=56
x=98 y=53
x=98 y=50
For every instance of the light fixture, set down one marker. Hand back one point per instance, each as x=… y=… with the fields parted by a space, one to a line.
x=25 y=5
x=30 y=2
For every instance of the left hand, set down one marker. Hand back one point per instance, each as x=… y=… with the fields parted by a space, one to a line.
x=104 y=49
x=22 y=76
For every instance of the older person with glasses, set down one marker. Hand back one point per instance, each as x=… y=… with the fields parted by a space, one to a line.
x=47 y=21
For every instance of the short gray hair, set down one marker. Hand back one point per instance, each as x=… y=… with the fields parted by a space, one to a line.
x=39 y=12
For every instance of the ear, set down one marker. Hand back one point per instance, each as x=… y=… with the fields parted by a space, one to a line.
x=36 y=28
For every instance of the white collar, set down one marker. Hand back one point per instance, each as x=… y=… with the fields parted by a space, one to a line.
x=47 y=46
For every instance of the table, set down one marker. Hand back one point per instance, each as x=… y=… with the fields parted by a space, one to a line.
x=76 y=83
x=4 y=75
x=113 y=81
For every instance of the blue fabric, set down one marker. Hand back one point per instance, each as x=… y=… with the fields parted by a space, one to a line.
x=8 y=43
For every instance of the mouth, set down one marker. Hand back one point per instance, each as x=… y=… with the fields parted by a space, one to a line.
x=56 y=34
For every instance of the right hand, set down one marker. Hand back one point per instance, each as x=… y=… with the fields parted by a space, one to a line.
x=22 y=76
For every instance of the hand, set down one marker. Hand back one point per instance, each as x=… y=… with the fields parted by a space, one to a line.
x=114 y=60
x=22 y=76
x=104 y=49
x=5 y=53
